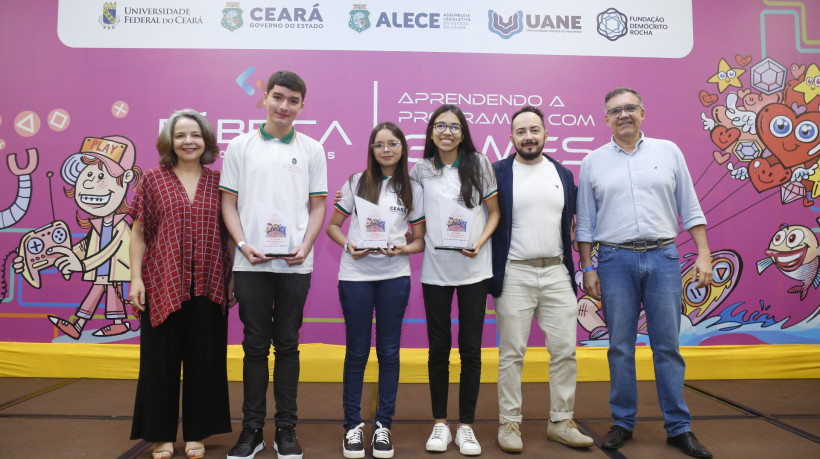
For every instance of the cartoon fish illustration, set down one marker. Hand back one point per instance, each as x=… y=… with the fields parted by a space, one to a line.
x=793 y=250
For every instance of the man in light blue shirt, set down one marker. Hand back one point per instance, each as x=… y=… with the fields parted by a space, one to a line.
x=631 y=193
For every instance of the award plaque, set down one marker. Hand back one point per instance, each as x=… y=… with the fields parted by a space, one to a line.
x=455 y=224
x=277 y=231
x=373 y=225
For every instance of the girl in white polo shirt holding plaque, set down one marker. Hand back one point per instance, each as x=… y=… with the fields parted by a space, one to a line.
x=374 y=274
x=461 y=213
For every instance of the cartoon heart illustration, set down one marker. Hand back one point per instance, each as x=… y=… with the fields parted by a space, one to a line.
x=742 y=93
x=707 y=99
x=794 y=139
x=767 y=173
x=723 y=137
x=721 y=157
x=743 y=61
x=798 y=70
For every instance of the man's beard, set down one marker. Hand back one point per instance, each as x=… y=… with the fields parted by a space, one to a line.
x=530 y=156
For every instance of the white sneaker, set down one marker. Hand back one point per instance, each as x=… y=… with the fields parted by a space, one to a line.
x=509 y=438
x=352 y=445
x=567 y=432
x=440 y=438
x=466 y=442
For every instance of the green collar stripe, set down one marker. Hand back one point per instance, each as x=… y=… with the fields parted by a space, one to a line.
x=286 y=139
x=437 y=164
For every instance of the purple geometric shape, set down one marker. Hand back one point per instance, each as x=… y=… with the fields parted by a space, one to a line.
x=768 y=76
x=747 y=150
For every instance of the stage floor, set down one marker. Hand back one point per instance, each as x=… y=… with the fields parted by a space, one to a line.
x=91 y=418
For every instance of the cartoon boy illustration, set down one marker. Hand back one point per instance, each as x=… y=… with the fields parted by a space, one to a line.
x=99 y=176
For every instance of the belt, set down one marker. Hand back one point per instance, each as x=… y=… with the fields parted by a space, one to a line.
x=540 y=262
x=641 y=246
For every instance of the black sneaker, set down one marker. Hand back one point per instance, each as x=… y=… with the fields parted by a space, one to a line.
x=286 y=445
x=353 y=444
x=382 y=445
x=250 y=442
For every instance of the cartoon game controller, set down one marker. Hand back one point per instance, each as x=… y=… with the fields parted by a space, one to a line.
x=34 y=248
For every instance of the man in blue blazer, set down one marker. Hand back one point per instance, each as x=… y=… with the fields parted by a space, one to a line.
x=532 y=277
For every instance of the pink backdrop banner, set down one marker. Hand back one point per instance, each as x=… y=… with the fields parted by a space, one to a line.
x=741 y=102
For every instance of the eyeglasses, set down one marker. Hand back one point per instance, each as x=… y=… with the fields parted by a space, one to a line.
x=392 y=145
x=442 y=127
x=616 y=111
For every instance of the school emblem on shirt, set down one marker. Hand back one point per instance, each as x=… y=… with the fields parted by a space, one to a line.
x=292 y=165
x=359 y=18
x=398 y=209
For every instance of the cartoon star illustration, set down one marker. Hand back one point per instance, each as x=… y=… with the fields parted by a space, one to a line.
x=810 y=87
x=726 y=76
x=815 y=179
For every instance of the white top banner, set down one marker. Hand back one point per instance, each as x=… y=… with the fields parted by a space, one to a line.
x=628 y=28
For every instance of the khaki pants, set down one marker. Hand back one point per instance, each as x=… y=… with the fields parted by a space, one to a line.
x=545 y=293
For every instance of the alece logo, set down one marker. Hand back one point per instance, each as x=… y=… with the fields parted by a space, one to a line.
x=506 y=29
x=232 y=16
x=612 y=24
x=109 y=17
x=359 y=18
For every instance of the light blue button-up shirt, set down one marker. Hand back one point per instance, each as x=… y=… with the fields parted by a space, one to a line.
x=638 y=196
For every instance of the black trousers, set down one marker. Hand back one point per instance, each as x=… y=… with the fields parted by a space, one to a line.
x=472 y=303
x=271 y=307
x=196 y=336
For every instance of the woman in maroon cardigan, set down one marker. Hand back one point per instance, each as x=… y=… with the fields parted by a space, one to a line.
x=180 y=276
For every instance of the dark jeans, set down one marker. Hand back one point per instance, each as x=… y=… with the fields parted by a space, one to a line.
x=389 y=299
x=196 y=336
x=270 y=307
x=472 y=303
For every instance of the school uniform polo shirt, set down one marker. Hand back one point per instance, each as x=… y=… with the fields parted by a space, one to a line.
x=376 y=266
x=282 y=174
x=440 y=181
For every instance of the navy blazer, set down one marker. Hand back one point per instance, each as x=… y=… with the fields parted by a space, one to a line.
x=502 y=234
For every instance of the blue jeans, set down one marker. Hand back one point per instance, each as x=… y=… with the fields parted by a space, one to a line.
x=389 y=299
x=628 y=279
x=271 y=307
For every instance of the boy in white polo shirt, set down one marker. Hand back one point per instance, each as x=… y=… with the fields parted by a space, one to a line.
x=273 y=178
